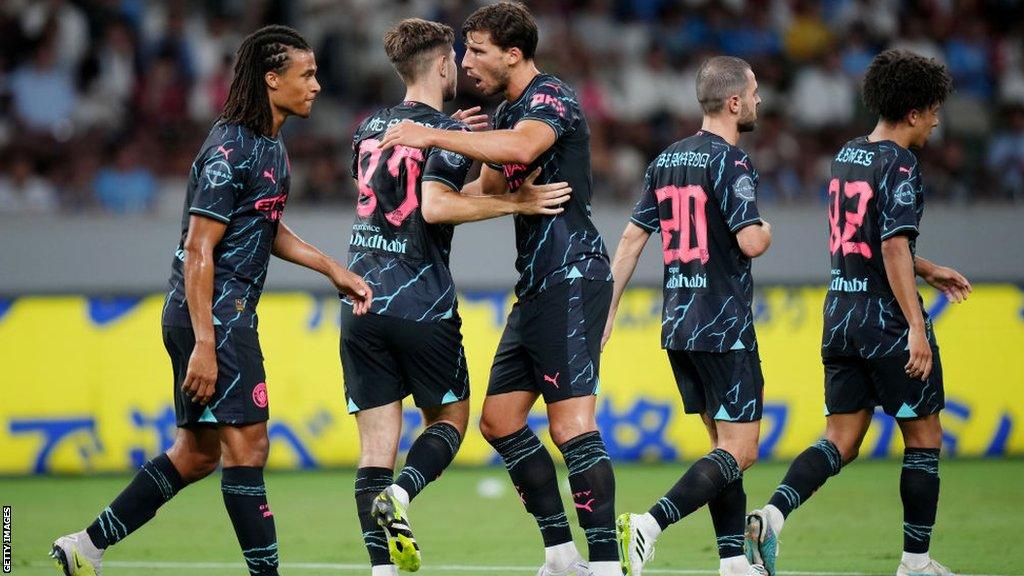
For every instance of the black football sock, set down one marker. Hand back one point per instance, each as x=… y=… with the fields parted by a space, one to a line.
x=806 y=474
x=154 y=484
x=593 y=490
x=370 y=482
x=245 y=498
x=533 y=474
x=430 y=454
x=702 y=482
x=728 y=513
x=919 y=488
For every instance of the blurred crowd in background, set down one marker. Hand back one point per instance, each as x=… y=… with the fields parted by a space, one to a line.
x=104 y=103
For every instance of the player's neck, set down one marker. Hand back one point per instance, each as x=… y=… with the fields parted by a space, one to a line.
x=279 y=116
x=520 y=79
x=429 y=95
x=722 y=127
x=898 y=133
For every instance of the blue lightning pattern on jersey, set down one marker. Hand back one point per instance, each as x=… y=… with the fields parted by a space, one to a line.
x=552 y=249
x=699 y=193
x=401 y=257
x=241 y=180
x=861 y=314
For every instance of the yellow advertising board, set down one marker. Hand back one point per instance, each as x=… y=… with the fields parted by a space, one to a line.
x=87 y=384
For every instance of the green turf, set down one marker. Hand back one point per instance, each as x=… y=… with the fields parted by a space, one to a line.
x=853 y=525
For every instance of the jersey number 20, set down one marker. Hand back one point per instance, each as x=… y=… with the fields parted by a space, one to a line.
x=687 y=217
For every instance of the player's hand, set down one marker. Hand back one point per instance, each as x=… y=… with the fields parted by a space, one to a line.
x=542 y=199
x=354 y=287
x=920 y=364
x=406 y=133
x=766 y=226
x=475 y=122
x=201 y=375
x=949 y=282
x=608 y=329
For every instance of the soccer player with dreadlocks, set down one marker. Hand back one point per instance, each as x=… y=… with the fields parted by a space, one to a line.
x=237 y=190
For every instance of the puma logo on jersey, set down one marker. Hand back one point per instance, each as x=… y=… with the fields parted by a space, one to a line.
x=905 y=170
x=269 y=175
x=741 y=163
x=225 y=151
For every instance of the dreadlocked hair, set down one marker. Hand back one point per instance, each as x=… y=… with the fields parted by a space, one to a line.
x=265 y=50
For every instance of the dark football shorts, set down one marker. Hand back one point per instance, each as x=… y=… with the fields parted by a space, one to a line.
x=384 y=359
x=240 y=394
x=727 y=386
x=552 y=342
x=853 y=384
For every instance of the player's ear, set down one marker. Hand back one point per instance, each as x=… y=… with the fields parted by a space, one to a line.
x=513 y=55
x=913 y=117
x=273 y=80
x=735 y=104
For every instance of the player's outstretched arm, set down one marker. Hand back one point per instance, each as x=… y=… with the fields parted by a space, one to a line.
x=627 y=254
x=755 y=239
x=899 y=267
x=520 y=145
x=288 y=246
x=442 y=205
x=947 y=280
x=203 y=236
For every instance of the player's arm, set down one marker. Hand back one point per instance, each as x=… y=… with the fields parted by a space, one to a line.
x=947 y=280
x=627 y=254
x=521 y=145
x=203 y=236
x=755 y=239
x=443 y=205
x=288 y=246
x=489 y=183
x=738 y=199
x=899 y=267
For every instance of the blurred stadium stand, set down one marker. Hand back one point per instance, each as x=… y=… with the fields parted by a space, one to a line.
x=103 y=103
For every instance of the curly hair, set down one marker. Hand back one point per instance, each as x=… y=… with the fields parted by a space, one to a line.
x=411 y=41
x=898 y=81
x=510 y=25
x=263 y=51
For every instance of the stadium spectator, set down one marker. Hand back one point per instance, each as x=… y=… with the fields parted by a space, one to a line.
x=23 y=190
x=75 y=73
x=126 y=186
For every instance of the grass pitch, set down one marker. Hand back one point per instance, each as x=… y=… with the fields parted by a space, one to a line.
x=471 y=521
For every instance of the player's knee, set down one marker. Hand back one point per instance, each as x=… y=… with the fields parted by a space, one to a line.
x=562 y=432
x=489 y=429
x=194 y=465
x=848 y=449
x=253 y=453
x=744 y=454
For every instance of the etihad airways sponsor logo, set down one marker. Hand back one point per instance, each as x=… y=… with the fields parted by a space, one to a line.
x=684 y=281
x=840 y=284
x=378 y=242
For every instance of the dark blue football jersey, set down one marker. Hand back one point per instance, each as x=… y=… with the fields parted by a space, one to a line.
x=875 y=193
x=552 y=249
x=699 y=193
x=402 y=257
x=241 y=179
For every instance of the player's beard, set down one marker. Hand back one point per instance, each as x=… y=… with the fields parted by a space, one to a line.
x=748 y=119
x=498 y=84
